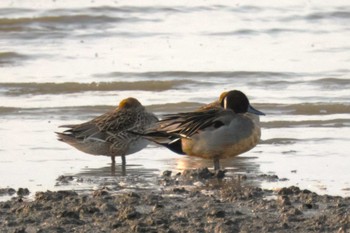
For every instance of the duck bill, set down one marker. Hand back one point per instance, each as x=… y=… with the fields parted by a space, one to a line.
x=255 y=111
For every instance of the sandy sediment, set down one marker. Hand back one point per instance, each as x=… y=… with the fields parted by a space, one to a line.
x=193 y=201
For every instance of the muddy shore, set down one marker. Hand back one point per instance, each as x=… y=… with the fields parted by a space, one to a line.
x=191 y=201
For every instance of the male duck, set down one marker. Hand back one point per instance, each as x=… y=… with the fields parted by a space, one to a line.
x=216 y=131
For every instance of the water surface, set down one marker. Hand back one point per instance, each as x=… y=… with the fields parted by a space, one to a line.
x=68 y=61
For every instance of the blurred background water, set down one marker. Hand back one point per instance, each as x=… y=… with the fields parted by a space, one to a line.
x=67 y=61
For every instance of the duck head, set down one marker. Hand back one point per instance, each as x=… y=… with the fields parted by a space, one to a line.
x=129 y=103
x=238 y=102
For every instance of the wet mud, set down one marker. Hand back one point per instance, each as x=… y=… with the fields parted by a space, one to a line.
x=192 y=201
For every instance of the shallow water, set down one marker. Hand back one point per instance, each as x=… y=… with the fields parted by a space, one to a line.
x=68 y=61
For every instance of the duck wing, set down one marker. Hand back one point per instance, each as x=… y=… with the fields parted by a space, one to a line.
x=104 y=126
x=188 y=124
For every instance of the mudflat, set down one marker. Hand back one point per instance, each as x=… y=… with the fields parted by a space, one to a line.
x=192 y=201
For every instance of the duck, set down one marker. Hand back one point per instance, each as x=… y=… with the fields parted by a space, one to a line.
x=223 y=129
x=109 y=134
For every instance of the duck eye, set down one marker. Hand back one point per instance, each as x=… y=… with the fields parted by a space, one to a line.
x=218 y=124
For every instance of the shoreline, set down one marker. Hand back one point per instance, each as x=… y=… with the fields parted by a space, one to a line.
x=192 y=201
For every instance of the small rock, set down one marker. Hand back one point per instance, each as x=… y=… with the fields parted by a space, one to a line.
x=10 y=223
x=129 y=213
x=201 y=173
x=217 y=213
x=180 y=190
x=20 y=230
x=23 y=192
x=107 y=207
x=65 y=179
x=307 y=206
x=285 y=225
x=220 y=214
x=269 y=177
x=88 y=209
x=220 y=174
x=11 y=191
x=198 y=184
x=294 y=212
x=205 y=173
x=306 y=191
x=221 y=228
x=289 y=190
x=133 y=194
x=283 y=200
x=5 y=205
x=166 y=173
x=7 y=191
x=100 y=193
x=69 y=214
x=237 y=212
x=342 y=229
x=157 y=207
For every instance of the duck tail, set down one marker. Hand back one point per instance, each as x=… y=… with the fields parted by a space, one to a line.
x=170 y=141
x=63 y=137
x=175 y=146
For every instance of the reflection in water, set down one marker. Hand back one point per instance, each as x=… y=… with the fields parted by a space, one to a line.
x=237 y=165
x=235 y=168
x=128 y=170
x=131 y=177
x=139 y=177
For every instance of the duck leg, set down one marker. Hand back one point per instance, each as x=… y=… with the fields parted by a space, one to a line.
x=113 y=169
x=123 y=165
x=113 y=165
x=123 y=160
x=216 y=164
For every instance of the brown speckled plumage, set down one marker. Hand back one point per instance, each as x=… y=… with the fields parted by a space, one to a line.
x=110 y=134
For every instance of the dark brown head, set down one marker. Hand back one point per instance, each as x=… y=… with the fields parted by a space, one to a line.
x=238 y=102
